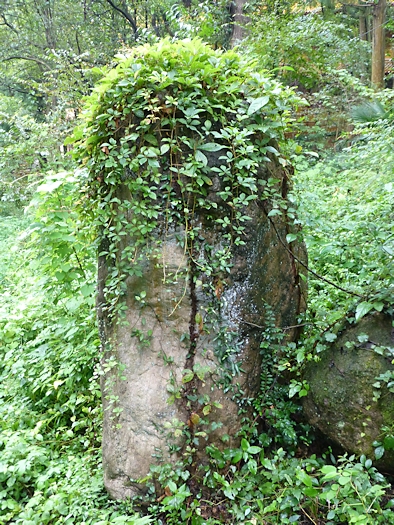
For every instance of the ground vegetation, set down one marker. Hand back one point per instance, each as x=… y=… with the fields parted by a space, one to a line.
x=340 y=142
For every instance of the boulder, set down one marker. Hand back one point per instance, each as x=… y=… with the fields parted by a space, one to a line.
x=198 y=251
x=184 y=329
x=343 y=401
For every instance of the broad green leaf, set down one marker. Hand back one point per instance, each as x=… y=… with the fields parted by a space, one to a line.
x=378 y=306
x=200 y=157
x=228 y=492
x=388 y=442
x=187 y=375
x=257 y=104
x=344 y=480
x=274 y=212
x=151 y=139
x=362 y=309
x=244 y=445
x=328 y=469
x=172 y=486
x=290 y=237
x=211 y=146
x=305 y=478
x=87 y=289
x=311 y=492
x=237 y=457
x=254 y=450
x=252 y=466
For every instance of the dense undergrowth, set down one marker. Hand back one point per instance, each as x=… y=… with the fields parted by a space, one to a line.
x=50 y=415
x=49 y=398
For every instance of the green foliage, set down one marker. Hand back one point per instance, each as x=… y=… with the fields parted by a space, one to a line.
x=50 y=415
x=252 y=488
x=49 y=49
x=346 y=204
x=50 y=420
x=210 y=21
x=151 y=129
x=306 y=49
x=369 y=112
x=177 y=120
x=28 y=148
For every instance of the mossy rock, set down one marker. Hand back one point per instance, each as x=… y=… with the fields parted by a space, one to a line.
x=342 y=401
x=188 y=188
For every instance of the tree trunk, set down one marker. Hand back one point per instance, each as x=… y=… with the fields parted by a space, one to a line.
x=362 y=22
x=239 y=21
x=378 y=43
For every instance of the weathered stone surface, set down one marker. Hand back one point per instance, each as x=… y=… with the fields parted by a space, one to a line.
x=340 y=402
x=154 y=345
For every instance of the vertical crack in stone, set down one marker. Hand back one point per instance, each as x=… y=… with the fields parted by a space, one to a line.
x=191 y=386
x=103 y=320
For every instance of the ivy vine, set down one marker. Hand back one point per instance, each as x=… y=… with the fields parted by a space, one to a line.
x=177 y=132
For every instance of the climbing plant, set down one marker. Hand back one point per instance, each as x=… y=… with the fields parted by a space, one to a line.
x=169 y=124
x=180 y=146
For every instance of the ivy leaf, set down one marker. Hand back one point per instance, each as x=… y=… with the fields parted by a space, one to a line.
x=187 y=376
x=378 y=306
x=211 y=146
x=200 y=157
x=330 y=337
x=87 y=289
x=290 y=237
x=388 y=442
x=362 y=309
x=379 y=451
x=257 y=104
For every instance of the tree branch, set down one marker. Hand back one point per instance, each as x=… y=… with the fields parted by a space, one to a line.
x=6 y=23
x=350 y=292
x=364 y=4
x=31 y=59
x=125 y=14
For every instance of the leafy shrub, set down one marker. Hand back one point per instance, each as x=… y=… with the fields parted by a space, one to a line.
x=305 y=49
x=28 y=148
x=251 y=488
x=50 y=414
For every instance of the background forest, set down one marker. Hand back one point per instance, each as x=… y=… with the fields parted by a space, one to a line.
x=339 y=138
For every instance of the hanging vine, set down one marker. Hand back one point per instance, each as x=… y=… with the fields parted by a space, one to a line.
x=177 y=132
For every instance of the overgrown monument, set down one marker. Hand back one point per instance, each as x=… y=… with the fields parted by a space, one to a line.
x=189 y=194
